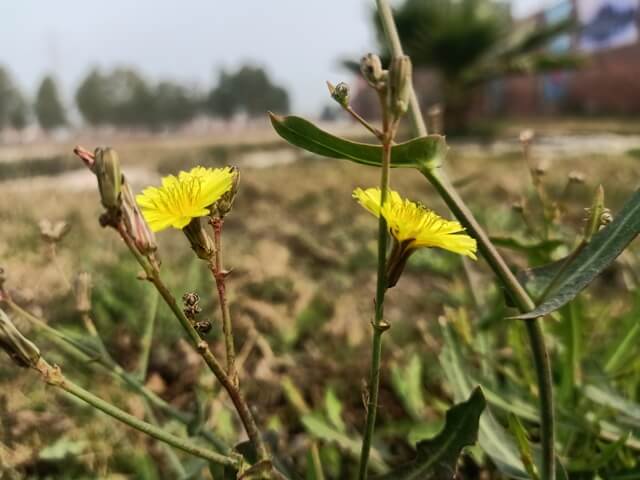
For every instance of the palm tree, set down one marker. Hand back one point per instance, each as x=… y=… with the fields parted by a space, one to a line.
x=468 y=42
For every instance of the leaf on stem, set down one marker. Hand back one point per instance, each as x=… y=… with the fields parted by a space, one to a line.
x=423 y=152
x=436 y=458
x=598 y=254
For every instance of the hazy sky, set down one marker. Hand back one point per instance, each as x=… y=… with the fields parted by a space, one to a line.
x=299 y=41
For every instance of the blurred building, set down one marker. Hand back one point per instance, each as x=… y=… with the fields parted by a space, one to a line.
x=609 y=82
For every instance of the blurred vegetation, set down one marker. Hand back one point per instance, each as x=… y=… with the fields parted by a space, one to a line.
x=49 y=110
x=13 y=107
x=469 y=42
x=300 y=319
x=124 y=98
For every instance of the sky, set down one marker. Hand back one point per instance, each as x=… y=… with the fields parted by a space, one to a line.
x=299 y=42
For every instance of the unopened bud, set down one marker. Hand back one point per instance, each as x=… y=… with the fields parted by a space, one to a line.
x=83 y=292
x=606 y=218
x=399 y=85
x=595 y=214
x=107 y=169
x=143 y=237
x=20 y=349
x=53 y=232
x=340 y=93
x=200 y=242
x=371 y=68
x=223 y=206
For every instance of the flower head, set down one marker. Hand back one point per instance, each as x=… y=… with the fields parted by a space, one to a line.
x=413 y=226
x=185 y=197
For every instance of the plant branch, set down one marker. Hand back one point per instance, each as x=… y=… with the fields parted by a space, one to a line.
x=113 y=369
x=240 y=404
x=219 y=274
x=496 y=262
x=53 y=376
x=379 y=325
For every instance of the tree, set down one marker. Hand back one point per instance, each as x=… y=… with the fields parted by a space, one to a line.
x=13 y=107
x=248 y=90
x=468 y=42
x=120 y=98
x=173 y=104
x=48 y=107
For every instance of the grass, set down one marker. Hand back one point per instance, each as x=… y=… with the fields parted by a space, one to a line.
x=303 y=278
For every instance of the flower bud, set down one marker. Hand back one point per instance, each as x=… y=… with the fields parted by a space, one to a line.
x=21 y=350
x=371 y=68
x=135 y=224
x=223 y=206
x=107 y=169
x=200 y=242
x=399 y=85
x=83 y=292
x=595 y=215
x=340 y=93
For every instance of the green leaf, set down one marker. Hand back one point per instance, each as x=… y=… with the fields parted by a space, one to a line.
x=318 y=427
x=523 y=446
x=494 y=440
x=604 y=248
x=436 y=458
x=407 y=383
x=428 y=151
x=333 y=408
x=526 y=246
x=628 y=411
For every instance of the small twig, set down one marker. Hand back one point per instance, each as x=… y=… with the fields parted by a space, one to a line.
x=241 y=406
x=110 y=367
x=53 y=376
x=219 y=274
x=363 y=122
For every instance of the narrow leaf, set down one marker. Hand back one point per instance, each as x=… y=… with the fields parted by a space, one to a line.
x=436 y=458
x=428 y=151
x=604 y=248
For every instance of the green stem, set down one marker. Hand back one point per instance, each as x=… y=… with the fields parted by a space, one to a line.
x=240 y=404
x=147 y=336
x=501 y=270
x=172 y=458
x=379 y=326
x=113 y=369
x=53 y=376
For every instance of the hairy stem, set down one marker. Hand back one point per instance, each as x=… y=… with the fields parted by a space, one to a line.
x=496 y=262
x=240 y=404
x=53 y=376
x=219 y=274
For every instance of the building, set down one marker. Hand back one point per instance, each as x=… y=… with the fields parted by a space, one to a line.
x=609 y=82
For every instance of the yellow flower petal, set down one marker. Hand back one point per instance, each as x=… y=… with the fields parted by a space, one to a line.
x=182 y=198
x=411 y=222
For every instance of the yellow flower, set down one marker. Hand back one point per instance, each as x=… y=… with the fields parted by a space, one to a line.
x=183 y=198
x=413 y=226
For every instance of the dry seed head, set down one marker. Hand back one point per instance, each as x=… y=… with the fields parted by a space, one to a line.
x=576 y=177
x=53 y=232
x=83 y=292
x=526 y=136
x=21 y=350
x=372 y=71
